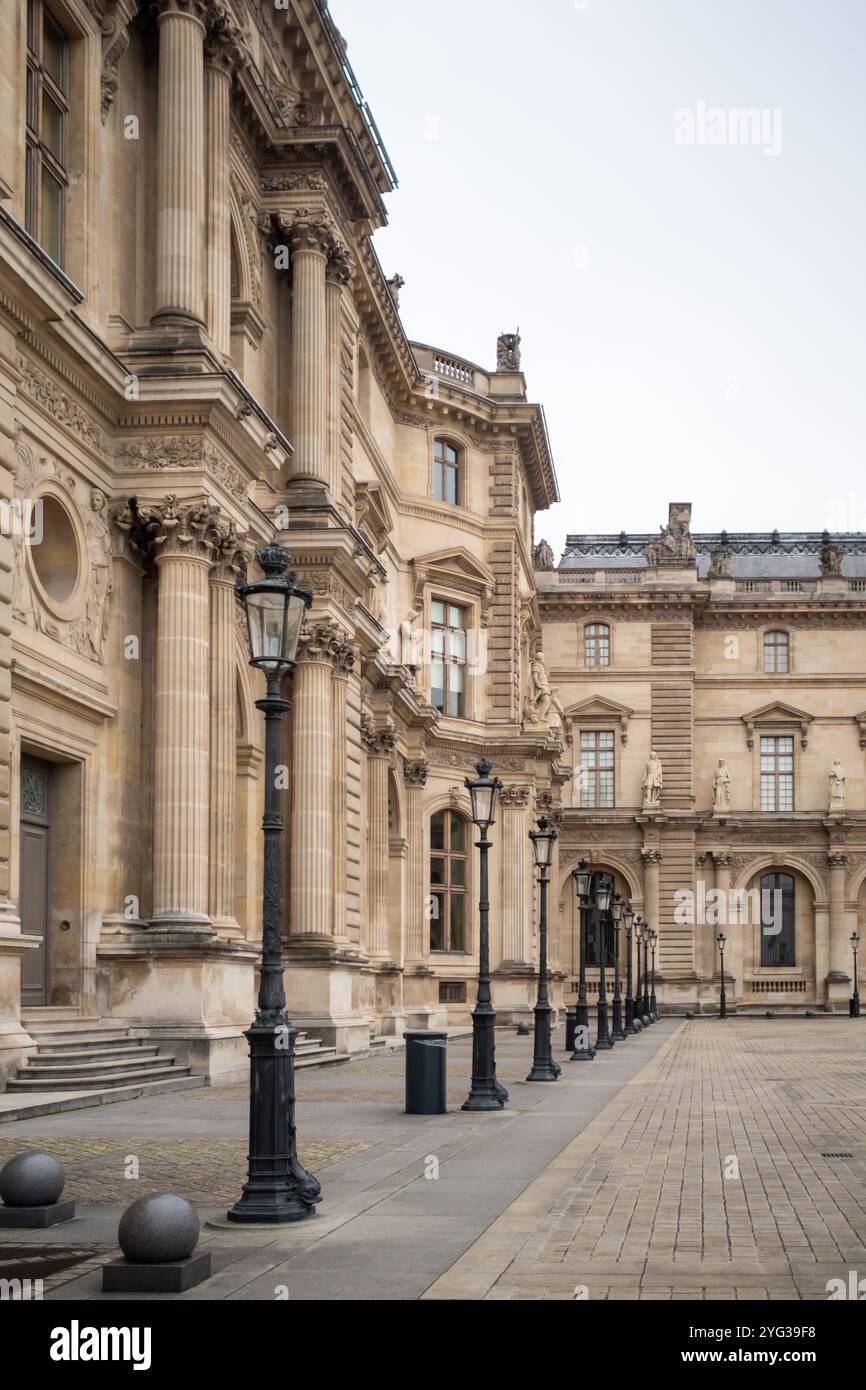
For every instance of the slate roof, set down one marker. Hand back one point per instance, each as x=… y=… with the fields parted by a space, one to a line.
x=754 y=554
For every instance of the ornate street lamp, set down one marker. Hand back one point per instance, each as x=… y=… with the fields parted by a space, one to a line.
x=601 y=908
x=543 y=1066
x=855 y=998
x=654 y=1008
x=645 y=999
x=277 y=1189
x=723 y=1003
x=487 y=1093
x=582 y=883
x=616 y=913
x=637 y=1011
x=628 y=923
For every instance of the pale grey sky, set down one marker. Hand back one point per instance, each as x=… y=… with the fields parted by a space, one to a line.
x=692 y=314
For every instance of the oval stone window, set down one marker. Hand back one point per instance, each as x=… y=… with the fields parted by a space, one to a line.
x=56 y=559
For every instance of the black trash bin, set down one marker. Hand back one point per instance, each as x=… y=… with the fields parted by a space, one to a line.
x=570 y=1025
x=425 y=1073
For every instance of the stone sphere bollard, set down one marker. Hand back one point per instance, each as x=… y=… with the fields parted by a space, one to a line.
x=159 y=1228
x=523 y=1030
x=31 y=1180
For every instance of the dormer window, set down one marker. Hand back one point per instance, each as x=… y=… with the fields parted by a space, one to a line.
x=777 y=653
x=447 y=483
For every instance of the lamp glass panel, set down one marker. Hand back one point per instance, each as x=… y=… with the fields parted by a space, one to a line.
x=266 y=615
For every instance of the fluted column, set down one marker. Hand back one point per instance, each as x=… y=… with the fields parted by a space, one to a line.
x=339 y=273
x=840 y=946
x=312 y=844
x=380 y=744
x=516 y=899
x=415 y=774
x=183 y=537
x=652 y=859
x=344 y=657
x=310 y=242
x=180 y=168
x=220 y=55
x=231 y=560
x=732 y=930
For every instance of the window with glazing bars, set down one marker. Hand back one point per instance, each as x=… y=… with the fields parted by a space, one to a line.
x=448 y=665
x=596 y=770
x=777 y=773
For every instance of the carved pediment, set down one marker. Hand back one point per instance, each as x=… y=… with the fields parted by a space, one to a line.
x=777 y=713
x=600 y=710
x=457 y=562
x=373 y=514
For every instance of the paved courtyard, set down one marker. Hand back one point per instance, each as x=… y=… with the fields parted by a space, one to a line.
x=698 y=1160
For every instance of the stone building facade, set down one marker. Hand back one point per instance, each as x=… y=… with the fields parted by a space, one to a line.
x=200 y=354
x=713 y=690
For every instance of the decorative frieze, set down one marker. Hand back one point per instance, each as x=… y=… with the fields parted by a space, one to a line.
x=58 y=404
x=178 y=453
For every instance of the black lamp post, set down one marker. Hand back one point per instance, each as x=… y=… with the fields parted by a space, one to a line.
x=543 y=1066
x=582 y=883
x=278 y=1189
x=616 y=913
x=487 y=1093
x=637 y=1011
x=654 y=1008
x=855 y=998
x=600 y=910
x=628 y=922
x=645 y=999
x=723 y=1003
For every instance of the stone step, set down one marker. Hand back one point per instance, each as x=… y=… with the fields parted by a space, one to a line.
x=321 y=1057
x=117 y=1047
x=75 y=1081
x=56 y=1038
x=93 y=1066
x=25 y=1106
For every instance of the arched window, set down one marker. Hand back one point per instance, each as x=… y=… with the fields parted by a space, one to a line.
x=596 y=644
x=448 y=485
x=448 y=858
x=593 y=925
x=777 y=653
x=46 y=178
x=777 y=920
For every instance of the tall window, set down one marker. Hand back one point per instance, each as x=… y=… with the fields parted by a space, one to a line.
x=777 y=653
x=447 y=462
x=777 y=920
x=777 y=774
x=47 y=121
x=596 y=644
x=448 y=667
x=448 y=840
x=593 y=927
x=596 y=770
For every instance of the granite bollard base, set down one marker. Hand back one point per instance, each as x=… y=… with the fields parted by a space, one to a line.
x=172 y=1276
x=12 y=1218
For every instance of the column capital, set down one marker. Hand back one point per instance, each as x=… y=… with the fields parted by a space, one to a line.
x=307 y=229
x=515 y=795
x=837 y=859
x=651 y=856
x=416 y=771
x=224 y=47
x=232 y=553
x=326 y=642
x=182 y=9
x=174 y=529
x=379 y=742
x=722 y=859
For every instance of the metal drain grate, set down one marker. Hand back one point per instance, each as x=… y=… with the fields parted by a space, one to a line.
x=837 y=1155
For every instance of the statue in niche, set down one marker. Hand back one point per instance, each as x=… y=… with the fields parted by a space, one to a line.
x=508 y=352
x=721 y=789
x=101 y=581
x=836 y=787
x=653 y=782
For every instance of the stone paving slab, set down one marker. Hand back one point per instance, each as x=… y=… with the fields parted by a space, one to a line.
x=381 y=1231
x=707 y=1176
